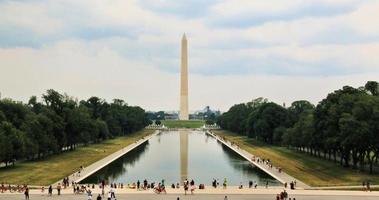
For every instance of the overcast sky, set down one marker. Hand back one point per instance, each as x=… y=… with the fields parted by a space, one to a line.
x=283 y=50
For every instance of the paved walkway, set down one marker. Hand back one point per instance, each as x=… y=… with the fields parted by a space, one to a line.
x=280 y=176
x=233 y=193
x=88 y=170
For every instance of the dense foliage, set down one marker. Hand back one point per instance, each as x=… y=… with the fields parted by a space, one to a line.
x=37 y=129
x=344 y=126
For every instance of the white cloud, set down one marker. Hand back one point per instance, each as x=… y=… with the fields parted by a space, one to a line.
x=29 y=16
x=84 y=70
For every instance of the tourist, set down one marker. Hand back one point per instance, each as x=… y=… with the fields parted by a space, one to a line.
x=266 y=184
x=50 y=190
x=102 y=192
x=185 y=187
x=42 y=190
x=138 y=183
x=177 y=185
x=103 y=183
x=162 y=182
x=292 y=185
x=89 y=194
x=59 y=189
x=145 y=184
x=250 y=184
x=112 y=193
x=160 y=188
x=285 y=184
x=368 y=186
x=285 y=194
x=226 y=198
x=98 y=197
x=26 y=193
x=173 y=186
x=109 y=195
x=225 y=183
x=192 y=185
x=241 y=186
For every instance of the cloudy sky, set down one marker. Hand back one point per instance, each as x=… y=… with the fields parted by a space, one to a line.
x=283 y=50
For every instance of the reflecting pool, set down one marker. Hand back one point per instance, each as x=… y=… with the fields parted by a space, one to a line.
x=177 y=155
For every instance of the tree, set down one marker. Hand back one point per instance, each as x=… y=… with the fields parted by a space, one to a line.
x=372 y=87
x=263 y=121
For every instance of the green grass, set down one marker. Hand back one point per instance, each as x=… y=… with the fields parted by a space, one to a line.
x=311 y=170
x=183 y=123
x=54 y=168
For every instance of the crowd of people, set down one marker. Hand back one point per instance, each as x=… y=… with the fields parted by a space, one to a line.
x=12 y=188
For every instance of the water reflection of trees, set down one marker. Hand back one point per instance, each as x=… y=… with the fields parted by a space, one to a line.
x=118 y=167
x=241 y=164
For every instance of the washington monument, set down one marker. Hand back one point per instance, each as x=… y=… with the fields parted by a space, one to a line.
x=184 y=81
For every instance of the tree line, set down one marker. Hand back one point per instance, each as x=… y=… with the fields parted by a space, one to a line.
x=343 y=127
x=60 y=122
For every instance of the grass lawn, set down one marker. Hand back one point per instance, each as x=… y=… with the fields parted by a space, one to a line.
x=54 y=168
x=183 y=123
x=311 y=170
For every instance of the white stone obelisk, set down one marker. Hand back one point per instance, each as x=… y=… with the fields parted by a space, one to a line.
x=184 y=81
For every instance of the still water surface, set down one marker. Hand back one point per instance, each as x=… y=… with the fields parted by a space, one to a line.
x=176 y=155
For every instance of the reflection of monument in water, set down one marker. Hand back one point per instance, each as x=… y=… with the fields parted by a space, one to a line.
x=183 y=155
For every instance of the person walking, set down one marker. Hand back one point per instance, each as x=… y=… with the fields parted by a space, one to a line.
x=226 y=197
x=59 y=189
x=50 y=190
x=26 y=193
x=225 y=183
x=113 y=193
x=185 y=187
x=109 y=195
x=98 y=197
x=89 y=194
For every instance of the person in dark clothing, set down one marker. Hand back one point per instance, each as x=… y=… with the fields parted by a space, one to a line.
x=26 y=193
x=50 y=190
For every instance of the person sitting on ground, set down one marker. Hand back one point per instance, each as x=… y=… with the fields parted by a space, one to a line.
x=133 y=186
x=160 y=188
